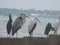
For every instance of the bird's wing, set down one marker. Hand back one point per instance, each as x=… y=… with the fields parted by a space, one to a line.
x=31 y=25
x=17 y=23
x=47 y=29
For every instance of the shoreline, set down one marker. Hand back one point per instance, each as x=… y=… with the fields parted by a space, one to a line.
x=51 y=40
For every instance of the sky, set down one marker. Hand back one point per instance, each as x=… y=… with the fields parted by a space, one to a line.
x=31 y=4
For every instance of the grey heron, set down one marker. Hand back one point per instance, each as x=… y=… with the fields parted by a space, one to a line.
x=32 y=25
x=18 y=23
x=48 y=29
x=9 y=25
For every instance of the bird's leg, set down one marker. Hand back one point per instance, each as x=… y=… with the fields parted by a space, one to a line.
x=47 y=35
x=11 y=34
x=7 y=35
x=30 y=35
x=16 y=34
x=55 y=32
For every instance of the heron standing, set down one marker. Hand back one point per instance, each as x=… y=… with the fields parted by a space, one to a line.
x=9 y=25
x=32 y=25
x=18 y=24
x=48 y=28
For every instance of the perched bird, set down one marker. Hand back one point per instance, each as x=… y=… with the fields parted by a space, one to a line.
x=48 y=28
x=32 y=25
x=57 y=26
x=9 y=24
x=18 y=23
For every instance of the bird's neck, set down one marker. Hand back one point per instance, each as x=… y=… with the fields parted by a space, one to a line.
x=10 y=19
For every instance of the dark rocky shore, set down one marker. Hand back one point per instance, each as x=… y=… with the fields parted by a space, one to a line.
x=51 y=40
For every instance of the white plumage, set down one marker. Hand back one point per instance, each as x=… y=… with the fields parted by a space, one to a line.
x=32 y=26
x=57 y=25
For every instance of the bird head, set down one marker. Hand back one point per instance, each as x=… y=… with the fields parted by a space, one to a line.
x=24 y=16
x=37 y=19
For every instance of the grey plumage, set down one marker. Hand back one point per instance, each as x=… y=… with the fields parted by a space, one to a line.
x=48 y=28
x=18 y=23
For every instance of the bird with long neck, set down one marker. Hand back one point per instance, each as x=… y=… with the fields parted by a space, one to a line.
x=18 y=23
x=9 y=25
x=32 y=25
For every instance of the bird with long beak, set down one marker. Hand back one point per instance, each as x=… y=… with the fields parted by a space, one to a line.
x=18 y=23
x=32 y=25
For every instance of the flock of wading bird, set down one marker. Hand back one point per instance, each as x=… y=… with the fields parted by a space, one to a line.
x=18 y=23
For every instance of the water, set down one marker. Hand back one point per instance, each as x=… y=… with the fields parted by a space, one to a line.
x=23 y=32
